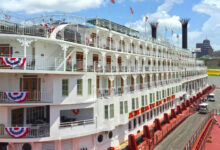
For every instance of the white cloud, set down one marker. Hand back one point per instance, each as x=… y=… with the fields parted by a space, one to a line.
x=211 y=28
x=161 y=15
x=39 y=6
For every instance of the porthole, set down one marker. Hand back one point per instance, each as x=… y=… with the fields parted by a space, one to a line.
x=26 y=146
x=100 y=138
x=110 y=135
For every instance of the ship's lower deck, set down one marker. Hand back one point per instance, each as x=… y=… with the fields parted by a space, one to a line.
x=104 y=139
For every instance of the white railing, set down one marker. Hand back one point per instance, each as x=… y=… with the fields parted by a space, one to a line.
x=77 y=123
x=34 y=131
x=33 y=97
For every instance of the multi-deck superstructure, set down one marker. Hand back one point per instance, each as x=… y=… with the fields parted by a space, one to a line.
x=90 y=82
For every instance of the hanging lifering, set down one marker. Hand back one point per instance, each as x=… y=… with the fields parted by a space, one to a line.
x=75 y=111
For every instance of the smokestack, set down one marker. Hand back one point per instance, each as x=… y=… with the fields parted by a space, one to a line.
x=154 y=29
x=184 y=23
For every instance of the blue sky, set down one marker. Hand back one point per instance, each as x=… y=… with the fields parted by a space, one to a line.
x=204 y=14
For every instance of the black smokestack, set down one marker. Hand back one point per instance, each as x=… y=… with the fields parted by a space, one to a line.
x=154 y=29
x=184 y=23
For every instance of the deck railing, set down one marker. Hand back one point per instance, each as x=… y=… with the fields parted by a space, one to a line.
x=34 y=131
x=77 y=123
x=198 y=131
x=33 y=97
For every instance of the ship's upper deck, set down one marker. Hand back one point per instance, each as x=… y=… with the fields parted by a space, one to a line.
x=73 y=29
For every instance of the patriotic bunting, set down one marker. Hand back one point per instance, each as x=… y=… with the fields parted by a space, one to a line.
x=13 y=61
x=17 y=132
x=17 y=97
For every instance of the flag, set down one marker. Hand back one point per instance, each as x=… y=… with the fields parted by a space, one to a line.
x=157 y=25
x=87 y=40
x=7 y=17
x=146 y=18
x=131 y=11
x=112 y=1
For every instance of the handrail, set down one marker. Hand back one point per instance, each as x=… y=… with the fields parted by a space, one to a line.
x=198 y=131
x=76 y=123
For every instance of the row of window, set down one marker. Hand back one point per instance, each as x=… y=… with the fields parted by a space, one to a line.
x=149 y=115
x=109 y=109
x=154 y=97
x=65 y=87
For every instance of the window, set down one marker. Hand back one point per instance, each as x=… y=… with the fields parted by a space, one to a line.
x=151 y=98
x=163 y=94
x=146 y=102
x=65 y=86
x=121 y=107
x=160 y=95
x=129 y=125
x=143 y=117
x=134 y=123
x=111 y=110
x=133 y=103
x=137 y=103
x=79 y=87
x=26 y=146
x=142 y=101
x=157 y=95
x=106 y=111
x=139 y=120
x=126 y=106
x=89 y=86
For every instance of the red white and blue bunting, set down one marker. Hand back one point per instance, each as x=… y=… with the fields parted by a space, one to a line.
x=17 y=97
x=13 y=61
x=17 y=132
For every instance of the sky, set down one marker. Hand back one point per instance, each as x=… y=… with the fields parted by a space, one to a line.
x=204 y=15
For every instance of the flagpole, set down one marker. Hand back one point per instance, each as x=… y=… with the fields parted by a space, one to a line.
x=145 y=30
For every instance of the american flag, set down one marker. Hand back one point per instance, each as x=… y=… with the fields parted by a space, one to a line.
x=131 y=11
x=146 y=18
x=87 y=40
x=112 y=1
x=7 y=17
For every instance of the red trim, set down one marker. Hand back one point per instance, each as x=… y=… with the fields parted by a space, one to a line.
x=147 y=108
x=130 y=115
